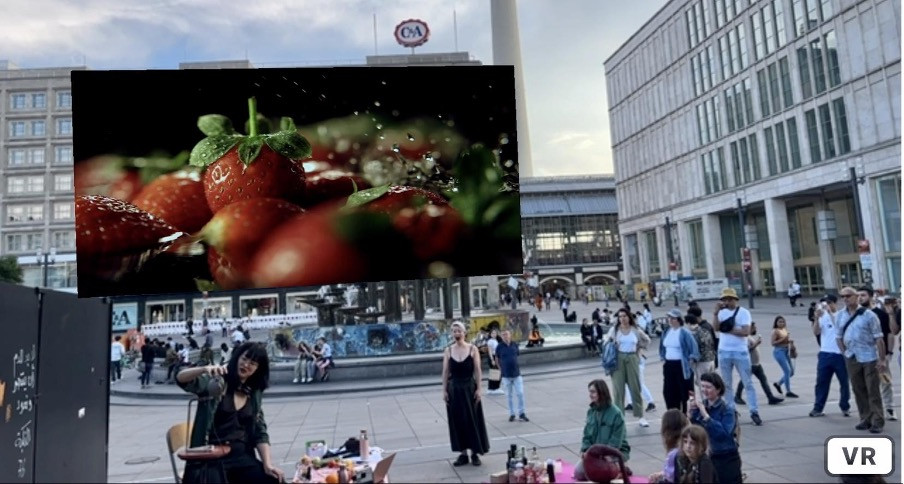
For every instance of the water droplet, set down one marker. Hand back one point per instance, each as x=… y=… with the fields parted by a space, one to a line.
x=509 y=163
x=322 y=130
x=491 y=118
x=503 y=140
x=428 y=157
x=379 y=126
x=304 y=91
x=323 y=96
x=383 y=82
x=377 y=103
x=395 y=112
x=450 y=123
x=410 y=137
x=382 y=137
x=356 y=113
x=279 y=95
x=395 y=147
x=455 y=189
x=490 y=86
x=295 y=82
x=448 y=139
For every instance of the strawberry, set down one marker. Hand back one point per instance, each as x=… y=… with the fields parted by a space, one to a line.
x=107 y=176
x=307 y=251
x=107 y=225
x=177 y=198
x=396 y=198
x=235 y=232
x=434 y=230
x=331 y=184
x=244 y=167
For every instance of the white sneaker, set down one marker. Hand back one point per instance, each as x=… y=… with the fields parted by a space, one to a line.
x=295 y=380
x=643 y=422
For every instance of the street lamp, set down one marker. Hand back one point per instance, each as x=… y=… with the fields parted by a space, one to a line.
x=862 y=242
x=45 y=259
x=673 y=266
x=747 y=274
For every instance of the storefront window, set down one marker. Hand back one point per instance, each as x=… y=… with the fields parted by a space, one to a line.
x=889 y=189
x=217 y=308
x=295 y=303
x=165 y=311
x=264 y=305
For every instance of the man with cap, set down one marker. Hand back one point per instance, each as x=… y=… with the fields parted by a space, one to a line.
x=830 y=361
x=733 y=323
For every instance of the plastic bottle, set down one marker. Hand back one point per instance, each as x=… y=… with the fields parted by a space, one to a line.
x=363 y=446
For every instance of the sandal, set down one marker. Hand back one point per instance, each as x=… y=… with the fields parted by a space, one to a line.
x=462 y=460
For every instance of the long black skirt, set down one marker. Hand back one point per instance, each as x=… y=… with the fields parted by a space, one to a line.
x=467 y=429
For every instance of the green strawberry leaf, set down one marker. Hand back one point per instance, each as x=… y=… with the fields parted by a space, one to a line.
x=211 y=149
x=287 y=124
x=289 y=144
x=205 y=285
x=249 y=148
x=264 y=125
x=215 y=125
x=366 y=196
x=151 y=168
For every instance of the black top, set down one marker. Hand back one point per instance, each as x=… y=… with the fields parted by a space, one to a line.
x=147 y=354
x=885 y=322
x=229 y=424
x=461 y=370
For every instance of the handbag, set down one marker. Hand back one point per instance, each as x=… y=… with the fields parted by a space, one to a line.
x=604 y=464
x=494 y=374
x=728 y=325
x=215 y=388
x=793 y=350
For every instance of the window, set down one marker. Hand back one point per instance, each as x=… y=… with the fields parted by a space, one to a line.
x=844 y=142
x=698 y=247
x=64 y=126
x=25 y=184
x=16 y=157
x=831 y=49
x=16 y=129
x=38 y=128
x=714 y=170
x=770 y=152
x=64 y=239
x=808 y=14
x=745 y=160
x=62 y=211
x=828 y=138
x=739 y=105
x=813 y=135
x=793 y=143
x=773 y=87
x=816 y=62
x=24 y=242
x=803 y=65
x=39 y=100
x=697 y=22
x=25 y=213
x=785 y=74
x=765 y=105
x=62 y=183
x=64 y=99
x=18 y=101
x=759 y=47
x=63 y=154
x=781 y=147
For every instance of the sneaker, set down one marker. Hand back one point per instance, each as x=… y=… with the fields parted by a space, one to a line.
x=862 y=426
x=775 y=401
x=791 y=395
x=739 y=401
x=890 y=414
x=643 y=422
x=523 y=418
x=846 y=413
x=629 y=407
x=511 y=418
x=756 y=419
x=817 y=413
x=651 y=407
x=462 y=460
x=778 y=388
x=295 y=380
x=475 y=459
x=876 y=430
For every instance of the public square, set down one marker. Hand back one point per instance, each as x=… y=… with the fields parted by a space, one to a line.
x=407 y=416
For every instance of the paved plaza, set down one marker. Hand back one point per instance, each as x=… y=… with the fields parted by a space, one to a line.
x=407 y=416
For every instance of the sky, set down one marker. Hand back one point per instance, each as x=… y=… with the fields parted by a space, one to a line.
x=563 y=46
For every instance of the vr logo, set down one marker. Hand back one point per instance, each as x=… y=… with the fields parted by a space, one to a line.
x=860 y=455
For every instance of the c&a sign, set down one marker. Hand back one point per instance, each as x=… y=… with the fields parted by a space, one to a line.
x=412 y=32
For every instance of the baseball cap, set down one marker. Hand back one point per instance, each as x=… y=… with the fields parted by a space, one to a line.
x=829 y=298
x=674 y=313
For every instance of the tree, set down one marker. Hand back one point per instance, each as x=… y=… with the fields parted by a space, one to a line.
x=10 y=271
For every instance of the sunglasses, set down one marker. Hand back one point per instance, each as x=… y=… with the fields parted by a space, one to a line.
x=845 y=296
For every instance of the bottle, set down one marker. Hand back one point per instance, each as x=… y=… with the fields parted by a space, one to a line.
x=363 y=446
x=342 y=475
x=524 y=455
x=550 y=470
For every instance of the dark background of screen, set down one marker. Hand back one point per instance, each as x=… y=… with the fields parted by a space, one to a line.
x=135 y=113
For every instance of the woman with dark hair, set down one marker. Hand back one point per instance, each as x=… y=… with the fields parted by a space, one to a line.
x=492 y=343
x=605 y=425
x=630 y=341
x=229 y=411
x=781 y=351
x=713 y=414
x=461 y=392
x=679 y=354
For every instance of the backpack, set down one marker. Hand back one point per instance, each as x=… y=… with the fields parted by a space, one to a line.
x=609 y=358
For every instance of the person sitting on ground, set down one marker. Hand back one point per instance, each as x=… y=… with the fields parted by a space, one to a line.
x=587 y=337
x=605 y=425
x=535 y=339
x=694 y=464
x=673 y=422
x=719 y=419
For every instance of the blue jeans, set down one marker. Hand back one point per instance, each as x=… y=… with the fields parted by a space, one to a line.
x=728 y=360
x=783 y=357
x=827 y=365
x=518 y=384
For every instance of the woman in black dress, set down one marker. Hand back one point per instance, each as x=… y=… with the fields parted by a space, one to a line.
x=461 y=391
x=229 y=411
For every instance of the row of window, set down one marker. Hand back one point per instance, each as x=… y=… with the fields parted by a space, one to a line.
x=35 y=156
x=699 y=24
x=35 y=184
x=38 y=127
x=774 y=83
x=768 y=25
x=32 y=242
x=708 y=119
x=733 y=51
x=823 y=62
x=827 y=136
x=38 y=100
x=34 y=212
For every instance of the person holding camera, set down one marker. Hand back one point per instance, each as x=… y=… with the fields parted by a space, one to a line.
x=734 y=327
x=829 y=361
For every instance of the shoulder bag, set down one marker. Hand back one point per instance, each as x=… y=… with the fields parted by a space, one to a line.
x=729 y=324
x=205 y=452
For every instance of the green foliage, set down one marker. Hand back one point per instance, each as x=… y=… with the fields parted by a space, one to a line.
x=10 y=271
x=480 y=196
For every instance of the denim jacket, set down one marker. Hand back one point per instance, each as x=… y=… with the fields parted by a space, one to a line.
x=207 y=408
x=719 y=428
x=689 y=350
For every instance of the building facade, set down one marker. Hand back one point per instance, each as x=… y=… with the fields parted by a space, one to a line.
x=570 y=230
x=36 y=185
x=772 y=125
